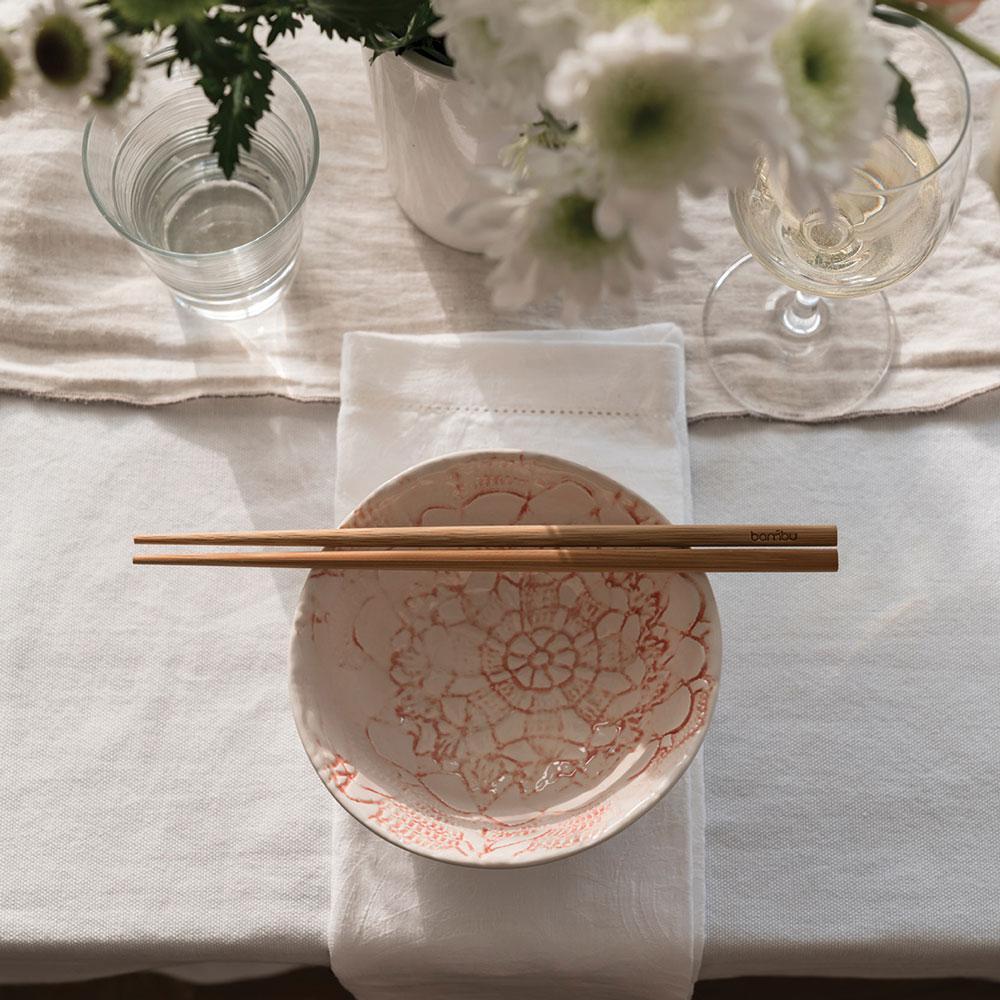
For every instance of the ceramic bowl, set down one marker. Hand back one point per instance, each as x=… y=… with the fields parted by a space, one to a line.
x=502 y=719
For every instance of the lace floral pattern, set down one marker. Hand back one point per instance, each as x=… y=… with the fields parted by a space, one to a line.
x=538 y=680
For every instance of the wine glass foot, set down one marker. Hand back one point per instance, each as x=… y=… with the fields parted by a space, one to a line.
x=792 y=355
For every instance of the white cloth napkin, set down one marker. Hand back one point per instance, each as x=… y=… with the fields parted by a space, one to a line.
x=626 y=918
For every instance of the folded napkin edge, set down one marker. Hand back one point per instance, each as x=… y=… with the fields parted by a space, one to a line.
x=429 y=374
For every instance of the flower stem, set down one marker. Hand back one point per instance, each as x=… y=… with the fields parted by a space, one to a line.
x=942 y=24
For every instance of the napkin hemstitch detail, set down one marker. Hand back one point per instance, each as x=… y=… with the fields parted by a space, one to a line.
x=530 y=411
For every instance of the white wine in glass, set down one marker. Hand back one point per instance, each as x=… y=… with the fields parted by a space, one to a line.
x=804 y=349
x=878 y=230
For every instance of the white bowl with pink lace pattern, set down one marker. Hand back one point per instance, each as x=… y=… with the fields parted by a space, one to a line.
x=502 y=719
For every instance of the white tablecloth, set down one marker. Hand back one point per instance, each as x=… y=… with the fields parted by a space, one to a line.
x=157 y=810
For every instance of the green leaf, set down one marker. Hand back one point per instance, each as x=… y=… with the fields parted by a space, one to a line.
x=362 y=19
x=282 y=23
x=235 y=75
x=234 y=70
x=415 y=35
x=905 y=105
x=241 y=107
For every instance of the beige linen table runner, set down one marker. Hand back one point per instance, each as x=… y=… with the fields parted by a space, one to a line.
x=81 y=317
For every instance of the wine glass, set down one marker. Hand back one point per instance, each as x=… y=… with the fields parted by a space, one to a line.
x=792 y=329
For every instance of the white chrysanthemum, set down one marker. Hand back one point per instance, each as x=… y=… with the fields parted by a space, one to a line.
x=65 y=49
x=11 y=75
x=671 y=15
x=546 y=241
x=661 y=111
x=989 y=165
x=680 y=16
x=837 y=84
x=124 y=73
x=506 y=49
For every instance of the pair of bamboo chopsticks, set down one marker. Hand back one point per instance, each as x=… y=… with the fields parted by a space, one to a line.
x=719 y=548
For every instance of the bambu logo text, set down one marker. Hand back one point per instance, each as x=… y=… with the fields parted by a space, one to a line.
x=774 y=536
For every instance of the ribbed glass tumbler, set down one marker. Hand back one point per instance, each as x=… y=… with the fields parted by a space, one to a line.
x=226 y=249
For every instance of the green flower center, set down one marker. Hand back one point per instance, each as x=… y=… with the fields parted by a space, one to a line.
x=815 y=55
x=8 y=76
x=567 y=231
x=647 y=119
x=815 y=67
x=121 y=73
x=61 y=51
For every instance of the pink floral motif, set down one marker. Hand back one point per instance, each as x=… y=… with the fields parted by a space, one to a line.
x=564 y=835
x=340 y=774
x=420 y=828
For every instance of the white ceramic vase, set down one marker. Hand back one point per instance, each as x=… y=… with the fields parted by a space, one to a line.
x=437 y=138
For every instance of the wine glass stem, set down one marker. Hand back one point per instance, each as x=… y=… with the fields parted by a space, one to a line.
x=803 y=315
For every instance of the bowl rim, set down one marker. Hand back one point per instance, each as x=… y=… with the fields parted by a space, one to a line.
x=684 y=756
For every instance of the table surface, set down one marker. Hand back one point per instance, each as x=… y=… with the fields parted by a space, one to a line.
x=157 y=809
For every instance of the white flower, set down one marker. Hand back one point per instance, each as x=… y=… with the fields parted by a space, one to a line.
x=545 y=238
x=673 y=16
x=661 y=111
x=124 y=72
x=837 y=84
x=506 y=48
x=989 y=165
x=65 y=42
x=11 y=75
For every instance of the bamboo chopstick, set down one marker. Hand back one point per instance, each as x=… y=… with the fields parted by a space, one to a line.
x=531 y=536
x=720 y=560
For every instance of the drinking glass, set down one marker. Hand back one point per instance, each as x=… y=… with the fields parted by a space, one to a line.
x=793 y=329
x=226 y=249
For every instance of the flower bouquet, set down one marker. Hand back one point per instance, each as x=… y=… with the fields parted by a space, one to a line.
x=622 y=105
